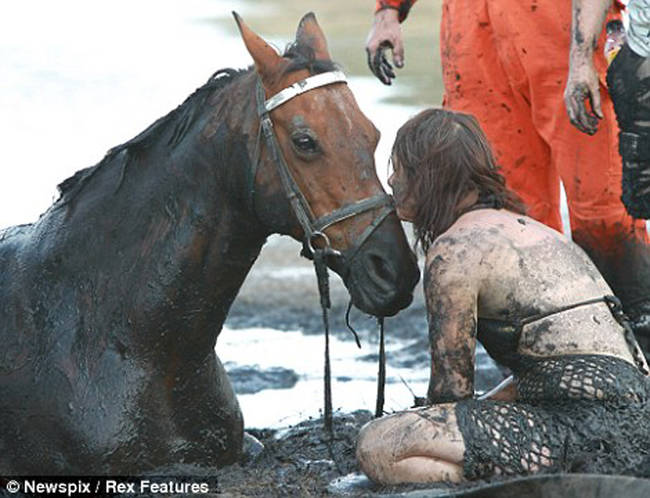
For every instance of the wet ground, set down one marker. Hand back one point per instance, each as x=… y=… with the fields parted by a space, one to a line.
x=272 y=347
x=299 y=462
x=307 y=461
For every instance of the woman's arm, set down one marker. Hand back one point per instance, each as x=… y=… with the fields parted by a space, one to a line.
x=451 y=293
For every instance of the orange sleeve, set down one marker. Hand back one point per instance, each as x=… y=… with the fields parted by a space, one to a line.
x=401 y=6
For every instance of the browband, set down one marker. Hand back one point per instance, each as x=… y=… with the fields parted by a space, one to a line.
x=303 y=86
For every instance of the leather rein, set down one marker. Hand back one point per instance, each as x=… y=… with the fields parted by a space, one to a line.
x=313 y=227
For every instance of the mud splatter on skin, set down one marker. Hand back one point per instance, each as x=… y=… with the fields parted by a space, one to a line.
x=557 y=273
x=452 y=365
x=440 y=417
x=577 y=32
x=514 y=310
x=539 y=340
x=624 y=263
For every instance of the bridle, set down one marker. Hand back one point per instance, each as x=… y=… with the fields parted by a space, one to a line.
x=314 y=228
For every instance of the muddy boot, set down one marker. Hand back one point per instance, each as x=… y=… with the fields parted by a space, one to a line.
x=639 y=315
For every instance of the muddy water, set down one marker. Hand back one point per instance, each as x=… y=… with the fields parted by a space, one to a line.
x=275 y=322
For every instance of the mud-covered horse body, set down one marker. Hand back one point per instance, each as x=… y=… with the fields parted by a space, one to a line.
x=110 y=332
x=112 y=302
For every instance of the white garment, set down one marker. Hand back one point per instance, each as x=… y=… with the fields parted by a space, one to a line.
x=638 y=32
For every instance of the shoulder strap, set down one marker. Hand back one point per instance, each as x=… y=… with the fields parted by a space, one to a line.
x=540 y=316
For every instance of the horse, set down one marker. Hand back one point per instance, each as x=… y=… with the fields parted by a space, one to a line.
x=112 y=302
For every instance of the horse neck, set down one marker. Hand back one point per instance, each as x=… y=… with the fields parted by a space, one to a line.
x=167 y=236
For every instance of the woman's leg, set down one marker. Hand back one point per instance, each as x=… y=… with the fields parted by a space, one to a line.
x=419 y=445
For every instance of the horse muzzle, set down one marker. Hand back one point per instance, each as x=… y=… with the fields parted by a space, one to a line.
x=383 y=273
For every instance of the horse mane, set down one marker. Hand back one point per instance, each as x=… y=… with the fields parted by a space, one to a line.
x=182 y=117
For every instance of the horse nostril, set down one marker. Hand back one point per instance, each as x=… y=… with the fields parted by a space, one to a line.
x=379 y=266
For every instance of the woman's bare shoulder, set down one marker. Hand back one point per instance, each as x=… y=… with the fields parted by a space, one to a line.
x=499 y=226
x=492 y=239
x=460 y=249
x=471 y=234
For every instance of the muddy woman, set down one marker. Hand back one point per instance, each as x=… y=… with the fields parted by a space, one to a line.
x=539 y=306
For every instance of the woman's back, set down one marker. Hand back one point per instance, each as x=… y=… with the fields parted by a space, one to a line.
x=524 y=270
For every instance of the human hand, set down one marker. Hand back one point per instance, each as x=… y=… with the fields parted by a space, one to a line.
x=385 y=34
x=582 y=84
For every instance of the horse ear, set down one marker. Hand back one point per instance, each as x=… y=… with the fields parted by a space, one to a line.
x=267 y=61
x=310 y=34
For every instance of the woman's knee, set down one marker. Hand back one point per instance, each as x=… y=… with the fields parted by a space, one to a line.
x=407 y=447
x=372 y=452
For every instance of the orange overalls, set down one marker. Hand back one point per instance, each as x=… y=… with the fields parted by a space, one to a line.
x=506 y=62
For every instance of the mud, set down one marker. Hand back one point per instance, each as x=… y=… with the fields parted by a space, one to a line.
x=302 y=460
x=249 y=379
x=305 y=461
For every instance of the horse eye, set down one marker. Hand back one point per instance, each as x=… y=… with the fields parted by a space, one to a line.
x=305 y=143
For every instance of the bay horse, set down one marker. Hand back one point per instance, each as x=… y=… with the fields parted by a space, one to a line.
x=112 y=302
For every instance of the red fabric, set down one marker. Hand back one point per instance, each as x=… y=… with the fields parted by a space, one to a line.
x=407 y=4
x=383 y=4
x=506 y=62
x=402 y=6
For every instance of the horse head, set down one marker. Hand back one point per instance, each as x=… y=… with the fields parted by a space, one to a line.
x=314 y=174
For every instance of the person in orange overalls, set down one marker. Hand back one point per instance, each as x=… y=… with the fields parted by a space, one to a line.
x=506 y=62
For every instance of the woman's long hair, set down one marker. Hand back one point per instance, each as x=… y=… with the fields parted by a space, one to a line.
x=445 y=155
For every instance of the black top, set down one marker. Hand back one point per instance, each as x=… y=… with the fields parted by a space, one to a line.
x=500 y=337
